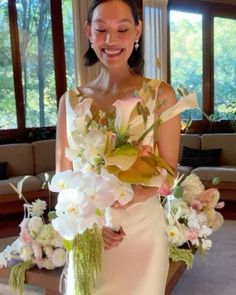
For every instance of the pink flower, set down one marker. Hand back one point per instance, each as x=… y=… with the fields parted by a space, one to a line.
x=209 y=196
x=38 y=253
x=191 y=234
x=220 y=205
x=196 y=204
x=164 y=190
x=25 y=236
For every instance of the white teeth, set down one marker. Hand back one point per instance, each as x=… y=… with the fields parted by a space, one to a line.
x=112 y=51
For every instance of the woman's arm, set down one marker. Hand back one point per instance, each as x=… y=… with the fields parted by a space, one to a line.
x=167 y=136
x=62 y=163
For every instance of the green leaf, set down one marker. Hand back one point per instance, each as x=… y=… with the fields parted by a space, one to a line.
x=68 y=245
x=52 y=215
x=98 y=212
x=216 y=180
x=178 y=192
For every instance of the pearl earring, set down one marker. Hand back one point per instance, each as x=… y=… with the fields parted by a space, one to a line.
x=136 y=45
x=91 y=44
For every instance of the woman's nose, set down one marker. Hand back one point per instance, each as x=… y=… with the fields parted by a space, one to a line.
x=111 y=37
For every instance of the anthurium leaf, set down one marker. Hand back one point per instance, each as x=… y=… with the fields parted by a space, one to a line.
x=122 y=157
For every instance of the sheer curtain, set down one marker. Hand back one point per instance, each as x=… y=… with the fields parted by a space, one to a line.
x=155 y=38
x=83 y=74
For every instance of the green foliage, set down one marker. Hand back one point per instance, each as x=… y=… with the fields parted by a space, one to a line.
x=178 y=254
x=186 y=61
x=87 y=260
x=17 y=276
x=38 y=78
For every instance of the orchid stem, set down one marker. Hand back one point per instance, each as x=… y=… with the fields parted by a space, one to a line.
x=153 y=126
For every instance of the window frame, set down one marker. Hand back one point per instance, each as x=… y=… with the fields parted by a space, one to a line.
x=209 y=10
x=21 y=133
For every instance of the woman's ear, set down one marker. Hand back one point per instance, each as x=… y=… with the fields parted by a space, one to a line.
x=87 y=29
x=139 y=29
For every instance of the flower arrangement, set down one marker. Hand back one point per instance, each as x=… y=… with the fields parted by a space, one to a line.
x=38 y=245
x=110 y=153
x=191 y=216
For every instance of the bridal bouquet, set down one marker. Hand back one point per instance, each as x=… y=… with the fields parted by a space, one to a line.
x=38 y=245
x=191 y=218
x=110 y=153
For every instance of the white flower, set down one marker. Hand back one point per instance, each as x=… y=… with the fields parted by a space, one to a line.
x=38 y=207
x=48 y=250
x=123 y=192
x=26 y=253
x=60 y=181
x=57 y=240
x=205 y=231
x=94 y=145
x=176 y=234
x=193 y=221
x=184 y=103
x=124 y=119
x=83 y=115
x=59 y=257
x=35 y=225
x=206 y=244
x=192 y=186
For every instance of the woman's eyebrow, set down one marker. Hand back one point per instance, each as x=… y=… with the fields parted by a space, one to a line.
x=124 y=20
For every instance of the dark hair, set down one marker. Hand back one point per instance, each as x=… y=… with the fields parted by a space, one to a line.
x=135 y=61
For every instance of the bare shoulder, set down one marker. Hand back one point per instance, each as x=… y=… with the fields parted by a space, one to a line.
x=167 y=93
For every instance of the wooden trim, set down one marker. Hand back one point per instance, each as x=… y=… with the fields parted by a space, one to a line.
x=16 y=64
x=207 y=86
x=58 y=48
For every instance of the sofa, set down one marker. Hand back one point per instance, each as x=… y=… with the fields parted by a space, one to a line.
x=36 y=160
x=219 y=160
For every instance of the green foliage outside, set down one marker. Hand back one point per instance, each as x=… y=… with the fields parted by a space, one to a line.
x=38 y=77
x=186 y=61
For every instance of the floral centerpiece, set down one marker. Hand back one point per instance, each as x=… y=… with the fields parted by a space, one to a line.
x=38 y=244
x=110 y=153
x=191 y=215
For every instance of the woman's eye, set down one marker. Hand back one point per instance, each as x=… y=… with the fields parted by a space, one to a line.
x=123 y=30
x=100 y=30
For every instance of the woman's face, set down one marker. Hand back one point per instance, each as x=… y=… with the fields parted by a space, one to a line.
x=113 y=33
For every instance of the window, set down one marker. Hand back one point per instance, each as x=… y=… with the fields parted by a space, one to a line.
x=34 y=66
x=186 y=54
x=202 y=57
x=69 y=41
x=225 y=68
x=35 y=37
x=7 y=93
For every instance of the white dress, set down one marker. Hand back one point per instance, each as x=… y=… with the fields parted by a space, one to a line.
x=139 y=265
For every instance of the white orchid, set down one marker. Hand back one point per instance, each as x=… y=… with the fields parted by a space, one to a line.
x=61 y=181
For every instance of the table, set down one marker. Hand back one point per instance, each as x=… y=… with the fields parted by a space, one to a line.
x=49 y=280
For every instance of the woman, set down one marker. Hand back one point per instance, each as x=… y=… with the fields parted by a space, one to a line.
x=135 y=260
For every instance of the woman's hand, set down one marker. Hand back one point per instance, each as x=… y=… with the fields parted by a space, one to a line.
x=141 y=194
x=112 y=239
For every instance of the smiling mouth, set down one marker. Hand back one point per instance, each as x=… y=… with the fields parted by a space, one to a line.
x=112 y=52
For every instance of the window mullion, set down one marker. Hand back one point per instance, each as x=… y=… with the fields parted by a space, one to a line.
x=58 y=48
x=208 y=62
